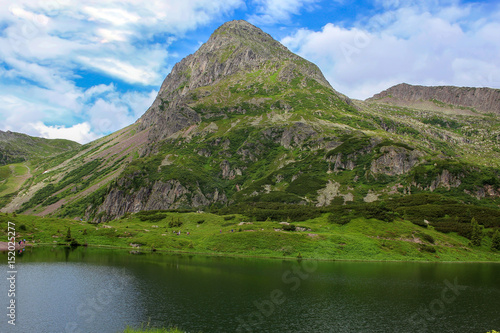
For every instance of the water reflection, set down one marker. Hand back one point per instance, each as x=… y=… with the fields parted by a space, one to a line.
x=95 y=290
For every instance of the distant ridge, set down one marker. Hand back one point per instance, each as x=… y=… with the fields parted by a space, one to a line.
x=483 y=100
x=18 y=147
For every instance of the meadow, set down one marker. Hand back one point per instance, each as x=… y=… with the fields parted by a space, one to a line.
x=237 y=235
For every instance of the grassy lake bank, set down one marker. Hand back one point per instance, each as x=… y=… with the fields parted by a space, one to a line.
x=205 y=233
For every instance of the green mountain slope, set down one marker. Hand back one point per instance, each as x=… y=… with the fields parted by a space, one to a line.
x=18 y=154
x=245 y=126
x=18 y=147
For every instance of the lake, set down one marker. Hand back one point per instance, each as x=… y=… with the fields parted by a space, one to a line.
x=98 y=290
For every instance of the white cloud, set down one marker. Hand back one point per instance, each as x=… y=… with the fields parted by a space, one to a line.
x=115 y=16
x=44 y=45
x=81 y=133
x=275 y=11
x=444 y=45
x=102 y=108
x=113 y=35
x=123 y=70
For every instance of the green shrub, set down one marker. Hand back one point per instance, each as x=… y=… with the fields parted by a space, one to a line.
x=427 y=248
x=51 y=200
x=495 y=241
x=175 y=224
x=427 y=238
x=276 y=196
x=261 y=211
x=306 y=184
x=339 y=219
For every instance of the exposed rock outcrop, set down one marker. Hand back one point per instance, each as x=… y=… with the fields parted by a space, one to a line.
x=162 y=195
x=445 y=179
x=332 y=190
x=395 y=161
x=227 y=172
x=296 y=134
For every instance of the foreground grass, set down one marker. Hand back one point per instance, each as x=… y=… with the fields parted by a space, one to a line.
x=361 y=239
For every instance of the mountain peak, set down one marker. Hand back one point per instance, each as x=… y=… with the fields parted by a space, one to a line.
x=241 y=32
x=239 y=68
x=238 y=28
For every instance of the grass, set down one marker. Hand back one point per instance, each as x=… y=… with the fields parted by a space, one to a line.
x=317 y=238
x=12 y=177
x=19 y=147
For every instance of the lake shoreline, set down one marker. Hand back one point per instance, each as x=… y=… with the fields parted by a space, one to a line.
x=208 y=234
x=4 y=246
x=236 y=255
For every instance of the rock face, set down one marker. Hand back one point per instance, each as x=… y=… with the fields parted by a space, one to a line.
x=445 y=179
x=484 y=100
x=395 y=161
x=162 y=195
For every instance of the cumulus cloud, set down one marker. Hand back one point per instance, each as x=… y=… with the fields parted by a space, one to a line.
x=81 y=133
x=96 y=111
x=46 y=45
x=107 y=37
x=412 y=43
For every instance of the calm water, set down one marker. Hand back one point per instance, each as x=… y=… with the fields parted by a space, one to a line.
x=93 y=290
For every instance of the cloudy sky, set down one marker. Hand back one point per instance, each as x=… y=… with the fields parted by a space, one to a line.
x=81 y=69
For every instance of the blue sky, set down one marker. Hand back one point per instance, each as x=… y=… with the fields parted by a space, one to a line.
x=83 y=69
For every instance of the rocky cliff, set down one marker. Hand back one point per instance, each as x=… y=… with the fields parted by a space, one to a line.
x=484 y=100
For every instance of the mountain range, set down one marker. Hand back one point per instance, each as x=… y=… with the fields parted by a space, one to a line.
x=244 y=124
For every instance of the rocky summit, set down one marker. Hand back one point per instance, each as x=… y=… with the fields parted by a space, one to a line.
x=245 y=124
x=240 y=69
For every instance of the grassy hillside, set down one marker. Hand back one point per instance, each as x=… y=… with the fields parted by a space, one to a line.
x=294 y=158
x=19 y=154
x=74 y=174
x=18 y=147
x=324 y=236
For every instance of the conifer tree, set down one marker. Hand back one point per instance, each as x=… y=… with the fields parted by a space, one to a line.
x=68 y=236
x=477 y=233
x=495 y=241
